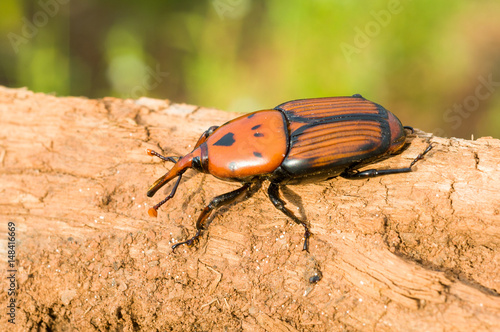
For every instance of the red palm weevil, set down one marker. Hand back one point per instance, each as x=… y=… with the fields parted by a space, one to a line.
x=300 y=141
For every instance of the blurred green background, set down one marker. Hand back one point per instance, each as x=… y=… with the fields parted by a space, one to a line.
x=435 y=64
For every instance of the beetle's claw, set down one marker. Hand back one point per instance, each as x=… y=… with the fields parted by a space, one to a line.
x=177 y=245
x=306 y=246
x=189 y=242
x=307 y=234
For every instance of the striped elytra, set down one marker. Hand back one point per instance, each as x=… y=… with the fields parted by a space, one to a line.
x=330 y=134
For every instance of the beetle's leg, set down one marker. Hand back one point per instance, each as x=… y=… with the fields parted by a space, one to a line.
x=156 y=154
x=172 y=159
x=274 y=196
x=218 y=201
x=369 y=173
x=205 y=135
x=409 y=128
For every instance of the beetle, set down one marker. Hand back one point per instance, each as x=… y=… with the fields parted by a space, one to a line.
x=300 y=141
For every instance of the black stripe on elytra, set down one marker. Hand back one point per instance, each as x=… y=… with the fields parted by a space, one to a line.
x=255 y=127
x=292 y=115
x=226 y=140
x=258 y=135
x=336 y=118
x=257 y=154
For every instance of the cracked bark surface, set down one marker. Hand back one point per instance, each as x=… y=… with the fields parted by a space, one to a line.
x=405 y=252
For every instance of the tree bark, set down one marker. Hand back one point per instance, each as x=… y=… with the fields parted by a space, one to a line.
x=408 y=252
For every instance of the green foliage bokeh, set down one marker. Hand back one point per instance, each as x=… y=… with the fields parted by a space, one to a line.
x=434 y=64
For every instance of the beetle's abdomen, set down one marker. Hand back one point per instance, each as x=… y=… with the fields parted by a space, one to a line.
x=251 y=145
x=328 y=135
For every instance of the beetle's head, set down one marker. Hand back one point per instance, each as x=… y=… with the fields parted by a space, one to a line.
x=191 y=160
x=398 y=134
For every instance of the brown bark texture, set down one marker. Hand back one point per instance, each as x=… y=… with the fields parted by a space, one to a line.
x=416 y=251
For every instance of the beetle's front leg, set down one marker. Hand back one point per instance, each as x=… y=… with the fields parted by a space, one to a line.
x=172 y=159
x=369 y=173
x=274 y=196
x=218 y=201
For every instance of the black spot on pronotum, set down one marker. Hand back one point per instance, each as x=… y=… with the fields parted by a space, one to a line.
x=226 y=140
x=255 y=127
x=257 y=154
x=258 y=135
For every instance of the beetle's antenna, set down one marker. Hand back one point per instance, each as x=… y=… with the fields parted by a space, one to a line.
x=156 y=154
x=153 y=212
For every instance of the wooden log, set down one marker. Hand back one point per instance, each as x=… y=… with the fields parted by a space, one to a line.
x=406 y=252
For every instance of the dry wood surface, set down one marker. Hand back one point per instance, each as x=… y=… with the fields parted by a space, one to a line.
x=405 y=252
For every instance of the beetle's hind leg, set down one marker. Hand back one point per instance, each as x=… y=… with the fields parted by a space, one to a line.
x=369 y=173
x=274 y=196
x=218 y=201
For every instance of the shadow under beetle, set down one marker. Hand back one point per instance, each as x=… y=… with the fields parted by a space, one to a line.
x=300 y=141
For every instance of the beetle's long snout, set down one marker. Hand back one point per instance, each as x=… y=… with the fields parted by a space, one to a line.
x=179 y=168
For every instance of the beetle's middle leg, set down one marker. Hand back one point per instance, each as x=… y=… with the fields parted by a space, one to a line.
x=369 y=173
x=218 y=201
x=274 y=196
